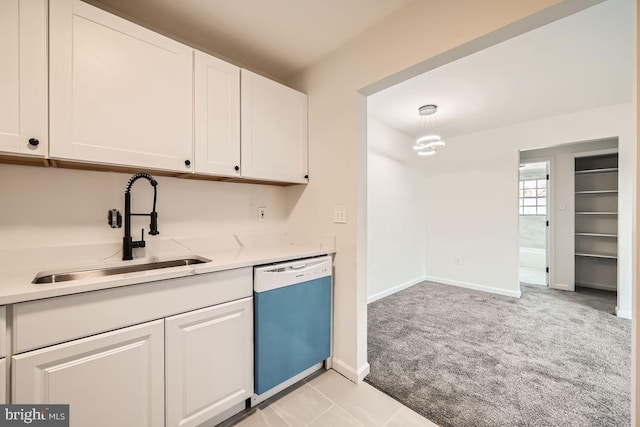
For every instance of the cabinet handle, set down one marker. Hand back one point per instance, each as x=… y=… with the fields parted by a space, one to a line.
x=34 y=142
x=306 y=177
x=187 y=163
x=237 y=168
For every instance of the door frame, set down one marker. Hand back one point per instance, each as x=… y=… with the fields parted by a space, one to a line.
x=550 y=249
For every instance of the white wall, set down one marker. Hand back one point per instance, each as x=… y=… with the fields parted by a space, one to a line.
x=395 y=211
x=472 y=192
x=563 y=179
x=394 y=49
x=53 y=207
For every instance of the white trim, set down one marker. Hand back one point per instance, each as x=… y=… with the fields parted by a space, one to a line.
x=350 y=373
x=474 y=286
x=625 y=314
x=594 y=285
x=562 y=287
x=394 y=289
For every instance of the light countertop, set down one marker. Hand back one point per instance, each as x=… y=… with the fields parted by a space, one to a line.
x=20 y=267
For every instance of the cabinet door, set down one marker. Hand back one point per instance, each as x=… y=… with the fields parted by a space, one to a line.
x=120 y=94
x=3 y=381
x=111 y=379
x=274 y=130
x=209 y=362
x=217 y=116
x=23 y=76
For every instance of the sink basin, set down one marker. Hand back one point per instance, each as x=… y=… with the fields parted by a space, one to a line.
x=110 y=271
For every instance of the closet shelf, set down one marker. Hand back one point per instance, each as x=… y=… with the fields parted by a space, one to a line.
x=597 y=235
x=596 y=213
x=598 y=192
x=596 y=255
x=602 y=170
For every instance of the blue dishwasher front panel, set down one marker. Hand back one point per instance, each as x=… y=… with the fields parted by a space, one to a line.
x=292 y=331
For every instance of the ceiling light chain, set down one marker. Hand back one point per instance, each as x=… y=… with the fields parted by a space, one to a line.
x=428 y=141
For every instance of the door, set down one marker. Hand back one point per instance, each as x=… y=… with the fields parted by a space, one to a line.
x=217 y=116
x=23 y=77
x=209 y=362
x=110 y=379
x=120 y=94
x=534 y=223
x=274 y=130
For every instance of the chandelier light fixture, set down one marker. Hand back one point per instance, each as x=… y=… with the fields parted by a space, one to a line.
x=428 y=140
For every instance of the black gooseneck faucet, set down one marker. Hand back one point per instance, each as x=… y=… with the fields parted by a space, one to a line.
x=127 y=242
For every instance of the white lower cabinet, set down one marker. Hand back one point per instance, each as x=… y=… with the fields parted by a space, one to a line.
x=3 y=381
x=192 y=366
x=209 y=362
x=111 y=379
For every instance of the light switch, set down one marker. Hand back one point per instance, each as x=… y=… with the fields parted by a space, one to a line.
x=340 y=214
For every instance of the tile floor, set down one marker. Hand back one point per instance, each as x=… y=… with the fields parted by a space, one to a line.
x=330 y=400
x=533 y=276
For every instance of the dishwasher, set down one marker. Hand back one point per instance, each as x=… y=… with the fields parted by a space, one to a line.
x=292 y=323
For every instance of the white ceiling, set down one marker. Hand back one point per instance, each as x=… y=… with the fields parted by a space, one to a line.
x=276 y=37
x=578 y=63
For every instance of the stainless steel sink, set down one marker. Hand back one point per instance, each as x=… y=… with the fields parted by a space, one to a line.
x=110 y=271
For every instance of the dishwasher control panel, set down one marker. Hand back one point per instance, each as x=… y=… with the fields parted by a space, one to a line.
x=279 y=275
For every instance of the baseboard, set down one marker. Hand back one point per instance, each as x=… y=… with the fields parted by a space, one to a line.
x=474 y=286
x=395 y=289
x=348 y=372
x=599 y=286
x=625 y=314
x=563 y=287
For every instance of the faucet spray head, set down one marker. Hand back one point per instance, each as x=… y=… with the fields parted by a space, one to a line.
x=136 y=177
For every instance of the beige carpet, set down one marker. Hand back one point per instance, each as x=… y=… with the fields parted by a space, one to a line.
x=465 y=358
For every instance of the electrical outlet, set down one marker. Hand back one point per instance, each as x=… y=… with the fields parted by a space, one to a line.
x=340 y=214
x=262 y=214
x=458 y=260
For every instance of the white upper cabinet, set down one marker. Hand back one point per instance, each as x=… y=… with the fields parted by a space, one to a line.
x=119 y=93
x=23 y=77
x=217 y=116
x=274 y=130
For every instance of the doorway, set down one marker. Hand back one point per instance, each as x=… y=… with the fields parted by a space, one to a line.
x=533 y=210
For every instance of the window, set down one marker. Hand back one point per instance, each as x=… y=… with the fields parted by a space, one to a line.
x=533 y=197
